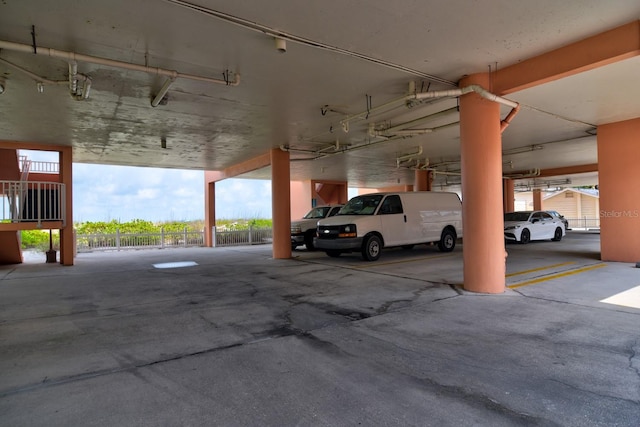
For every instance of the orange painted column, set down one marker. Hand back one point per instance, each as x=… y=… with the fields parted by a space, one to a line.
x=423 y=180
x=67 y=239
x=537 y=199
x=281 y=203
x=619 y=184
x=10 y=252
x=209 y=211
x=482 y=219
x=508 y=192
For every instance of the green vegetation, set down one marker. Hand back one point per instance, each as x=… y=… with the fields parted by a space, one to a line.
x=39 y=239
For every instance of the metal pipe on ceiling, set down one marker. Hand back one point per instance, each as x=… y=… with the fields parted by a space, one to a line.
x=254 y=26
x=319 y=155
x=37 y=78
x=419 y=120
x=72 y=56
x=450 y=93
x=407 y=133
x=163 y=91
x=78 y=93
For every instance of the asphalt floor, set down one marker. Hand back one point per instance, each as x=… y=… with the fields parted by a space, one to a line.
x=232 y=337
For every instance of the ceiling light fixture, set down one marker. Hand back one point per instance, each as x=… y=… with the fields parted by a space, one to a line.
x=281 y=44
x=254 y=26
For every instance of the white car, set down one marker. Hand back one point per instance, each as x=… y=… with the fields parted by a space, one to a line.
x=525 y=226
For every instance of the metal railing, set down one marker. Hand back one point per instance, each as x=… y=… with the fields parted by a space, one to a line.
x=32 y=201
x=167 y=239
x=123 y=241
x=583 y=223
x=37 y=166
x=252 y=236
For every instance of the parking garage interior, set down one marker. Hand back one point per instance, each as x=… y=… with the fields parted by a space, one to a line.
x=318 y=97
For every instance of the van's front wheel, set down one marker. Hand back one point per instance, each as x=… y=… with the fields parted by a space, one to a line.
x=371 y=248
x=447 y=241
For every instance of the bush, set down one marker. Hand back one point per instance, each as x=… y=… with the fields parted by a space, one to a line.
x=39 y=239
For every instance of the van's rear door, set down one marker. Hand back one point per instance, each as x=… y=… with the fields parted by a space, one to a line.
x=393 y=221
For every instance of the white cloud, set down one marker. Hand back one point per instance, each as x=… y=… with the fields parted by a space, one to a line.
x=148 y=193
x=104 y=193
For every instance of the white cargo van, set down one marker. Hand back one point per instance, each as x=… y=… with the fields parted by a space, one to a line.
x=370 y=222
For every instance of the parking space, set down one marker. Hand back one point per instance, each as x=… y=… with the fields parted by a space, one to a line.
x=526 y=265
x=230 y=336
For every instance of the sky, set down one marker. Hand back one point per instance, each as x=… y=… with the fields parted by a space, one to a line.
x=105 y=193
x=124 y=193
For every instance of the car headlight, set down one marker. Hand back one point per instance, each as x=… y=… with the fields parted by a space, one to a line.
x=295 y=229
x=348 y=230
x=511 y=227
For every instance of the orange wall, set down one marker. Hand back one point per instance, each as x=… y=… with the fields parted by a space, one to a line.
x=392 y=189
x=300 y=198
x=9 y=170
x=329 y=192
x=619 y=184
x=10 y=252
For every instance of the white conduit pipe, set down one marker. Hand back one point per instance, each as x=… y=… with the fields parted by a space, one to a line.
x=72 y=56
x=462 y=91
x=35 y=77
x=341 y=151
x=419 y=120
x=254 y=26
x=163 y=91
x=450 y=93
x=410 y=156
x=515 y=107
x=77 y=93
x=408 y=132
x=73 y=77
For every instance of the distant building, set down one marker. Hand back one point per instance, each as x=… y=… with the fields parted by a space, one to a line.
x=580 y=206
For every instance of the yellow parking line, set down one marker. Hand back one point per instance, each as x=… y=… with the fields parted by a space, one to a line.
x=556 y=276
x=380 y=264
x=533 y=270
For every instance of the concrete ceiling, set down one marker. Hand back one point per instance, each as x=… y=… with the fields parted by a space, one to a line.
x=342 y=57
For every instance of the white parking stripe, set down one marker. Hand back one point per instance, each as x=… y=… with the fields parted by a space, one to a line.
x=629 y=298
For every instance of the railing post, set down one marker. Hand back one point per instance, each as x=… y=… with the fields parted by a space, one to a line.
x=39 y=204
x=213 y=236
x=62 y=204
x=185 y=237
x=250 y=234
x=118 y=239
x=162 y=237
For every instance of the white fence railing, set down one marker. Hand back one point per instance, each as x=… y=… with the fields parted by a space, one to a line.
x=37 y=166
x=164 y=239
x=252 y=236
x=584 y=223
x=122 y=241
x=32 y=201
